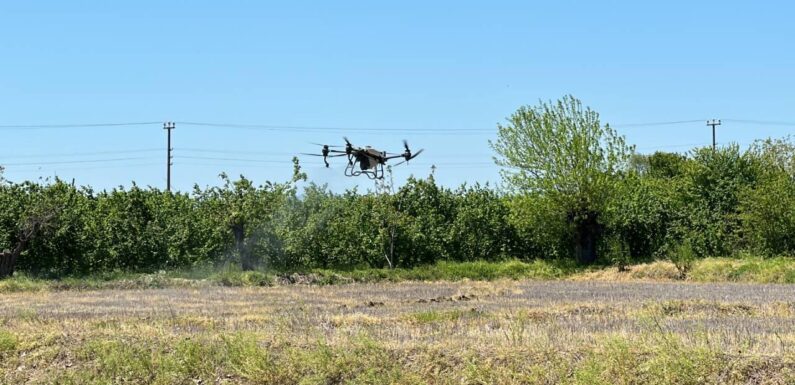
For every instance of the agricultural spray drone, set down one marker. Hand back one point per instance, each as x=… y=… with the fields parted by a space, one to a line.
x=364 y=160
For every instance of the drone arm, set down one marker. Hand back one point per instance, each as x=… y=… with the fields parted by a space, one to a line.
x=394 y=157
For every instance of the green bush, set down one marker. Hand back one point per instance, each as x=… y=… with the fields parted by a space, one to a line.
x=723 y=203
x=683 y=257
x=8 y=341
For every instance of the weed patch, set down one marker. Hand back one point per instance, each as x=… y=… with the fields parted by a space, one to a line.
x=8 y=342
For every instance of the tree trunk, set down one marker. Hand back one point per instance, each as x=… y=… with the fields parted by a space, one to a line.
x=33 y=225
x=239 y=231
x=587 y=235
x=8 y=260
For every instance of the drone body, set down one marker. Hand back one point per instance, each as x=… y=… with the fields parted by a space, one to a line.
x=366 y=160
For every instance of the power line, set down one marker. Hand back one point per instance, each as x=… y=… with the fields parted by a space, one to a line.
x=77 y=125
x=73 y=161
x=651 y=124
x=311 y=163
x=761 y=122
x=232 y=159
x=50 y=168
x=275 y=127
x=266 y=127
x=82 y=153
x=181 y=157
x=271 y=153
x=213 y=151
x=672 y=146
x=278 y=127
x=332 y=168
x=333 y=128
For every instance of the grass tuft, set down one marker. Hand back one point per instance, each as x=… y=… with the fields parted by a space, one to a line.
x=8 y=342
x=746 y=269
x=244 y=278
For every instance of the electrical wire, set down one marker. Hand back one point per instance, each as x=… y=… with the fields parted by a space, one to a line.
x=332 y=168
x=73 y=161
x=263 y=153
x=761 y=122
x=4 y=156
x=230 y=159
x=76 y=125
x=312 y=163
x=672 y=123
x=674 y=146
x=213 y=151
x=81 y=168
x=278 y=127
x=272 y=127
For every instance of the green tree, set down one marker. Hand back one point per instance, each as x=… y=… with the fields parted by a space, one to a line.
x=310 y=233
x=480 y=229
x=640 y=214
x=28 y=213
x=561 y=150
x=659 y=165
x=712 y=185
x=768 y=208
x=542 y=229
x=776 y=155
x=768 y=216
x=243 y=212
x=427 y=212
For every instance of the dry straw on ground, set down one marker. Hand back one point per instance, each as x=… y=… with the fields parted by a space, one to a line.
x=512 y=332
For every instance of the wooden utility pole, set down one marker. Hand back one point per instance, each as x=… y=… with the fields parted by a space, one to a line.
x=713 y=123
x=168 y=126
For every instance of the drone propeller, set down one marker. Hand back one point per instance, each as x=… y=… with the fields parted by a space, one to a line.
x=416 y=154
x=407 y=156
x=324 y=154
x=348 y=145
x=325 y=145
x=328 y=156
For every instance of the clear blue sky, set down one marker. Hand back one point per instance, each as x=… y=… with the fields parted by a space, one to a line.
x=416 y=65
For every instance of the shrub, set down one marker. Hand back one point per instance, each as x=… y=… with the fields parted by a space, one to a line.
x=683 y=257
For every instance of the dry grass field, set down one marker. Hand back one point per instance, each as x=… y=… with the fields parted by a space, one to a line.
x=500 y=332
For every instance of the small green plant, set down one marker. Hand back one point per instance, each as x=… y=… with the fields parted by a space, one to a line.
x=126 y=360
x=244 y=278
x=618 y=253
x=683 y=257
x=8 y=341
x=434 y=316
x=20 y=283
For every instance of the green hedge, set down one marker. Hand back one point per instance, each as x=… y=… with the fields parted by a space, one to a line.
x=722 y=203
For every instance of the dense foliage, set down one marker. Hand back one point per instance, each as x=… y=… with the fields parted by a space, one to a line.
x=717 y=203
x=706 y=203
x=562 y=152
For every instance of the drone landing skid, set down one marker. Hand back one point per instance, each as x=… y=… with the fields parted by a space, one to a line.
x=377 y=173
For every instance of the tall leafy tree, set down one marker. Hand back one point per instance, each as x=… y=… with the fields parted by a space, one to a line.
x=561 y=150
